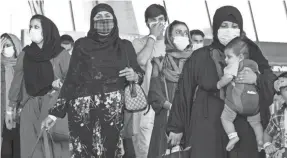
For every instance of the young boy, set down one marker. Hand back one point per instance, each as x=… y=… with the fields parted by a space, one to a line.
x=240 y=98
x=275 y=135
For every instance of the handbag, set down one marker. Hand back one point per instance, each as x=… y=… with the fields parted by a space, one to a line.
x=47 y=150
x=60 y=131
x=135 y=99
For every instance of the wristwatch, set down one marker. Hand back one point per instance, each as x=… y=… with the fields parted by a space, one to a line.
x=152 y=36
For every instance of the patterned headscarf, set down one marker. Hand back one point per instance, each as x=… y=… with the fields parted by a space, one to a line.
x=280 y=82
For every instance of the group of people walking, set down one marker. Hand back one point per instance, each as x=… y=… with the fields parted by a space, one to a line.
x=213 y=101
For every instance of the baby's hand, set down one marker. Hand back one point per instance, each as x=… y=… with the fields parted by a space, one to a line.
x=270 y=149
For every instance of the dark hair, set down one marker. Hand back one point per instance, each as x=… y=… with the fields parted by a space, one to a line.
x=196 y=32
x=5 y=35
x=284 y=74
x=239 y=46
x=67 y=38
x=150 y=12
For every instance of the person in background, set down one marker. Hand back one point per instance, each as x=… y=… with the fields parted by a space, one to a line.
x=197 y=39
x=164 y=79
x=67 y=42
x=199 y=120
x=10 y=49
x=93 y=92
x=146 y=48
x=275 y=133
x=38 y=66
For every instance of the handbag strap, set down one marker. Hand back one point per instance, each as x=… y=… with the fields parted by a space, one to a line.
x=38 y=139
x=131 y=84
x=21 y=105
x=165 y=88
x=46 y=144
x=126 y=54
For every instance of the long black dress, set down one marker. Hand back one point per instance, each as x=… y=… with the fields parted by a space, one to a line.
x=199 y=119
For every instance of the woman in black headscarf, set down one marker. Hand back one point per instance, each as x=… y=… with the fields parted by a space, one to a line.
x=199 y=120
x=92 y=94
x=38 y=66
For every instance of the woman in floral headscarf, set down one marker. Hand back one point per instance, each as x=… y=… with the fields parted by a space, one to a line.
x=164 y=80
x=10 y=49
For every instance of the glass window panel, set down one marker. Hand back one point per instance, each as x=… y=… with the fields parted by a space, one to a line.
x=242 y=6
x=59 y=12
x=270 y=18
x=5 y=16
x=193 y=13
x=82 y=11
x=139 y=9
x=16 y=17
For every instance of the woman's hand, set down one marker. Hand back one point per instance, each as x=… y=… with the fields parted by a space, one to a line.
x=129 y=73
x=57 y=84
x=174 y=138
x=48 y=123
x=2 y=43
x=246 y=76
x=9 y=118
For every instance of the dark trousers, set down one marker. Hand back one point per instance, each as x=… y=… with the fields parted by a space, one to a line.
x=11 y=142
x=129 y=148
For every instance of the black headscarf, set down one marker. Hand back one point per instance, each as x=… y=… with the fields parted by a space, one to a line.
x=95 y=62
x=225 y=13
x=38 y=70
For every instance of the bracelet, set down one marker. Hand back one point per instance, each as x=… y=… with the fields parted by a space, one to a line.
x=153 y=37
x=266 y=145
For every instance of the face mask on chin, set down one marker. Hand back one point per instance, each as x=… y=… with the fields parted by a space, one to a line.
x=197 y=46
x=225 y=35
x=9 y=52
x=36 y=36
x=181 y=42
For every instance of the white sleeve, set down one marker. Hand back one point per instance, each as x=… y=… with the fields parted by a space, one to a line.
x=231 y=69
x=54 y=118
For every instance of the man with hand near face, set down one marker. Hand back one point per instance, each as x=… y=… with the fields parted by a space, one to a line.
x=147 y=47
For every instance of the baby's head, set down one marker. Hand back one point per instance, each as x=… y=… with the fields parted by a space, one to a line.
x=280 y=85
x=236 y=50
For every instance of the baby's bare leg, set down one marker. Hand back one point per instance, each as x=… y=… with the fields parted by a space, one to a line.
x=227 y=118
x=255 y=122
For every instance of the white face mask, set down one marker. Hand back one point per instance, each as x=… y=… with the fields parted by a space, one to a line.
x=226 y=35
x=197 y=46
x=9 y=51
x=36 y=35
x=181 y=42
x=70 y=51
x=156 y=22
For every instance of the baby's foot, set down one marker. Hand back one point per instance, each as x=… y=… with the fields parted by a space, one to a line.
x=232 y=143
